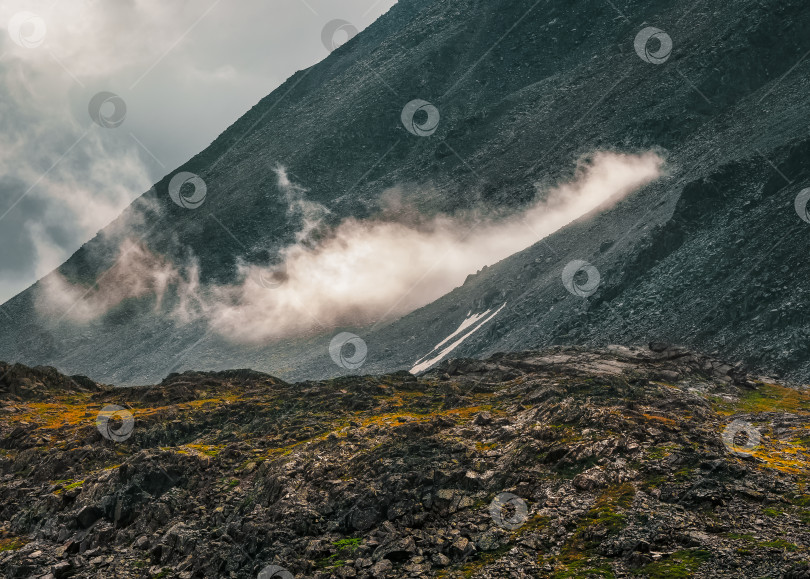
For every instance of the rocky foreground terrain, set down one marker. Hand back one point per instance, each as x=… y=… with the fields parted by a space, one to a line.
x=620 y=462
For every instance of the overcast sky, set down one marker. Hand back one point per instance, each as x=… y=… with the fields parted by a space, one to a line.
x=184 y=71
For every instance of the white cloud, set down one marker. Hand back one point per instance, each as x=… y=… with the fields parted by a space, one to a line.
x=360 y=272
x=137 y=272
x=373 y=270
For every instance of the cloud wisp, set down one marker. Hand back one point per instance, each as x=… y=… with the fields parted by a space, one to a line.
x=372 y=270
x=137 y=272
x=357 y=273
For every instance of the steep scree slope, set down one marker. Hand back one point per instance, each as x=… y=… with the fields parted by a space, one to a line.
x=712 y=256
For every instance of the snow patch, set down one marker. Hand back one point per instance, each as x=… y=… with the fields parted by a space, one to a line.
x=472 y=320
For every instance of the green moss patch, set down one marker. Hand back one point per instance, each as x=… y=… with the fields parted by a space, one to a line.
x=678 y=565
x=12 y=543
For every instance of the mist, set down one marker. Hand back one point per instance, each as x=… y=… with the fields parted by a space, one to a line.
x=372 y=271
x=359 y=273
x=137 y=272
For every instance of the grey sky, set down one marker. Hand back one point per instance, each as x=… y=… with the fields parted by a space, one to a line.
x=185 y=70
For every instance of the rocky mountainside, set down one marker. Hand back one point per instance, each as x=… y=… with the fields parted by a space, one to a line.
x=566 y=462
x=712 y=256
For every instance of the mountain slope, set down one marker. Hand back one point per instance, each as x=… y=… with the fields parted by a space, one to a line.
x=523 y=92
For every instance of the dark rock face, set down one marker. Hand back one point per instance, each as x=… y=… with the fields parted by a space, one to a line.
x=87 y=516
x=564 y=462
x=713 y=256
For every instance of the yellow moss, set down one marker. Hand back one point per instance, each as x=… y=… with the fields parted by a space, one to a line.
x=775 y=398
x=773 y=460
x=667 y=421
x=481 y=447
x=206 y=449
x=12 y=543
x=392 y=418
